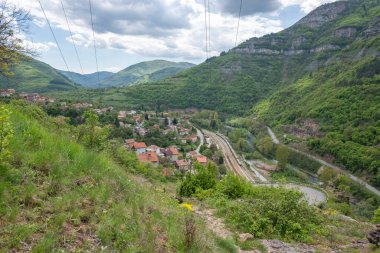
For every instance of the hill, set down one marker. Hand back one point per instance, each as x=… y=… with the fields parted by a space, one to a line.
x=142 y=72
x=317 y=81
x=87 y=80
x=35 y=76
x=57 y=195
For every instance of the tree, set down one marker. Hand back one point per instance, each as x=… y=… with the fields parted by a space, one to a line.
x=13 y=21
x=90 y=133
x=376 y=216
x=6 y=133
x=175 y=121
x=282 y=155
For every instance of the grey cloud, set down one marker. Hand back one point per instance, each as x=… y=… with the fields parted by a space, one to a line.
x=133 y=17
x=249 y=7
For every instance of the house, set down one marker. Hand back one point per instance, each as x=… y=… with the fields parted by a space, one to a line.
x=132 y=112
x=154 y=148
x=156 y=127
x=121 y=115
x=142 y=132
x=172 y=153
x=182 y=165
x=202 y=160
x=139 y=147
x=183 y=131
x=137 y=118
x=192 y=154
x=148 y=157
x=129 y=142
x=23 y=95
x=192 y=138
x=7 y=92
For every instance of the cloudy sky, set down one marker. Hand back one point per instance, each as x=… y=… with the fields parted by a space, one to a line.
x=131 y=31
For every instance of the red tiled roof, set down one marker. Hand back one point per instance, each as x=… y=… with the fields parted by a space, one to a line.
x=202 y=159
x=148 y=157
x=174 y=150
x=138 y=145
x=153 y=147
x=181 y=163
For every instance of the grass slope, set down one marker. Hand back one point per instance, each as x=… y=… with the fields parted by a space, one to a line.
x=57 y=195
x=35 y=76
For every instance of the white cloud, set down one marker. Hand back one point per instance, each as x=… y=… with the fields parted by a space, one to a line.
x=180 y=35
x=159 y=28
x=306 y=5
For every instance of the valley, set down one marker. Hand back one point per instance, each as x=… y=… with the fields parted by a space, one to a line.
x=268 y=144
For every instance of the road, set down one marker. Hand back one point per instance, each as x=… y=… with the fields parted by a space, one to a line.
x=312 y=195
x=201 y=138
x=273 y=136
x=352 y=177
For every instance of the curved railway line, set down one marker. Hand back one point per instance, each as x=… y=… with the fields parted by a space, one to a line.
x=313 y=196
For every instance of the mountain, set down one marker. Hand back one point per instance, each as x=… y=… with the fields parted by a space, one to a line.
x=317 y=81
x=35 y=76
x=138 y=73
x=86 y=80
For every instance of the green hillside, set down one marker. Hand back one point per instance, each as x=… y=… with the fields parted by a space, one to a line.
x=235 y=81
x=144 y=72
x=87 y=80
x=35 y=76
x=57 y=195
x=322 y=71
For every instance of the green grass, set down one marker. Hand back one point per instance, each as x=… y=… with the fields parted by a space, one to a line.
x=58 y=195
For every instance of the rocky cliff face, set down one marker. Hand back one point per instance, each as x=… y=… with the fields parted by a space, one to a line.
x=322 y=15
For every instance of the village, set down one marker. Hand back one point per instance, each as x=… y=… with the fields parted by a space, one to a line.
x=182 y=139
x=167 y=138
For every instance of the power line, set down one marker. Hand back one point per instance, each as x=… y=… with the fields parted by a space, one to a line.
x=237 y=30
x=209 y=26
x=71 y=35
x=56 y=41
x=205 y=3
x=93 y=36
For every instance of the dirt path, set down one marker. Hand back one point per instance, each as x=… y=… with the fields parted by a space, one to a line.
x=217 y=226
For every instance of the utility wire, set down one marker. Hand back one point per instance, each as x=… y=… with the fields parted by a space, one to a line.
x=237 y=30
x=205 y=3
x=93 y=36
x=56 y=41
x=72 y=39
x=209 y=26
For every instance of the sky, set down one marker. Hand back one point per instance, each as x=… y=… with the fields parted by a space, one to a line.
x=131 y=31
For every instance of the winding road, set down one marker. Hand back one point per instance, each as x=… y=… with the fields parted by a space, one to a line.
x=313 y=196
x=352 y=177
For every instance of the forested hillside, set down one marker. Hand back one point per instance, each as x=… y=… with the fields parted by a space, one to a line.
x=235 y=81
x=35 y=76
x=323 y=73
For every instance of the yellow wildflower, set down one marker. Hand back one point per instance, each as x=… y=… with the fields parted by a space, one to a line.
x=187 y=206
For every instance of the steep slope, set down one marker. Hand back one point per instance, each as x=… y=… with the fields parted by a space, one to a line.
x=56 y=195
x=233 y=82
x=35 y=76
x=87 y=80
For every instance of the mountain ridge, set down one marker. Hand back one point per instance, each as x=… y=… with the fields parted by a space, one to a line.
x=134 y=74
